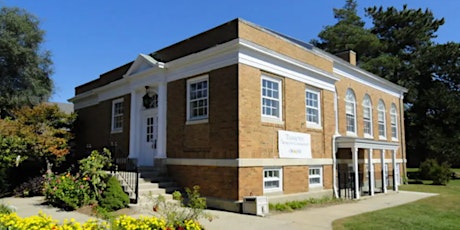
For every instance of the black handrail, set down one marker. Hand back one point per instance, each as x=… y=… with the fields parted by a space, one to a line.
x=128 y=171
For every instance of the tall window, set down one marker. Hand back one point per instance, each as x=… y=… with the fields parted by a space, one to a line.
x=315 y=176
x=394 y=122
x=312 y=104
x=273 y=179
x=381 y=119
x=117 y=115
x=350 y=108
x=197 y=98
x=271 y=97
x=367 y=116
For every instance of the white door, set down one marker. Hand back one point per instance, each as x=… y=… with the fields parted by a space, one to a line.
x=149 y=140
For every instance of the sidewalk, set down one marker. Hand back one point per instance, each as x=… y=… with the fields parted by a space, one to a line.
x=310 y=218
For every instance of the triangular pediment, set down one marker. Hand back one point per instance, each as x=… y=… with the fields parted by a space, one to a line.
x=142 y=63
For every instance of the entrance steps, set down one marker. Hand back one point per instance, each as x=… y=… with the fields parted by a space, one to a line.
x=153 y=182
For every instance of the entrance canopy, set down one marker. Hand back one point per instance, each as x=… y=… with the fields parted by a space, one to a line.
x=363 y=143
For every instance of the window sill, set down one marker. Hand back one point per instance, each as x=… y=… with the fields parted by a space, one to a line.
x=382 y=138
x=271 y=191
x=115 y=131
x=314 y=126
x=195 y=122
x=368 y=136
x=272 y=120
x=350 y=134
x=395 y=139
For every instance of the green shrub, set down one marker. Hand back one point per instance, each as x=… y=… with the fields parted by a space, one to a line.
x=67 y=191
x=5 y=209
x=431 y=170
x=113 y=197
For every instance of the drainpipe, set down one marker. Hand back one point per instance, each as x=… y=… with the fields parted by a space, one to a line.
x=402 y=137
x=334 y=147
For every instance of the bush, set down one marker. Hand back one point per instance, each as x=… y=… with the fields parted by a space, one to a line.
x=32 y=187
x=67 y=191
x=5 y=209
x=113 y=198
x=431 y=170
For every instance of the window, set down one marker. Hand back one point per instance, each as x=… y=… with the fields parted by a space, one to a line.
x=271 y=97
x=367 y=116
x=350 y=108
x=315 y=176
x=117 y=115
x=273 y=180
x=381 y=119
x=394 y=122
x=197 y=98
x=312 y=102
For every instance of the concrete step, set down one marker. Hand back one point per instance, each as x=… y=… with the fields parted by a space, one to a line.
x=148 y=185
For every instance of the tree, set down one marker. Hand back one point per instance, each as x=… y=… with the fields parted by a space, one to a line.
x=348 y=34
x=407 y=55
x=25 y=68
x=41 y=133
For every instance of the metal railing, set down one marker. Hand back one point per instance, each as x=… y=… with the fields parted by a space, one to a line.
x=127 y=172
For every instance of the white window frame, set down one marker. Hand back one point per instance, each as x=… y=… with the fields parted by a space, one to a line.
x=268 y=117
x=313 y=124
x=197 y=119
x=367 y=105
x=116 y=114
x=269 y=179
x=350 y=100
x=315 y=176
x=382 y=120
x=394 y=122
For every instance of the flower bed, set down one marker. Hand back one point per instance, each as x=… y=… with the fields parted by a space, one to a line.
x=42 y=221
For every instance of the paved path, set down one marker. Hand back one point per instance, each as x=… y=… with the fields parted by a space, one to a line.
x=310 y=218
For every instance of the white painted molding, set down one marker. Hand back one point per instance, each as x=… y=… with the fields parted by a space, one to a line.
x=248 y=162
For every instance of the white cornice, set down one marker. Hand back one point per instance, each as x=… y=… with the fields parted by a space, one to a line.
x=269 y=60
x=366 y=78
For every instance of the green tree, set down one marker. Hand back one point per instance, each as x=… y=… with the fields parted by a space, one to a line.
x=407 y=55
x=41 y=133
x=348 y=34
x=25 y=68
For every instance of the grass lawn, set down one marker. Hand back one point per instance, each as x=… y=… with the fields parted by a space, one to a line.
x=438 y=212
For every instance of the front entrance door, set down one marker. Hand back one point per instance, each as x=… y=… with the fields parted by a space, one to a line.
x=149 y=137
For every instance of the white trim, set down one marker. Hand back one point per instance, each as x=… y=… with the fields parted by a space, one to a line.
x=315 y=125
x=278 y=81
x=266 y=59
x=270 y=179
x=394 y=113
x=366 y=161
x=366 y=106
x=142 y=63
x=122 y=115
x=320 y=176
x=350 y=98
x=249 y=162
x=204 y=78
x=368 y=79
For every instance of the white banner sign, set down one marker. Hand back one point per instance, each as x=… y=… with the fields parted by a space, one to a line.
x=294 y=145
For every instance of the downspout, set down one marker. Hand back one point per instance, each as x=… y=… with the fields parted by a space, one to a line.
x=334 y=147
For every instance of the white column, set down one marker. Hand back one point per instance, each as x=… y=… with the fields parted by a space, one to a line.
x=355 y=169
x=395 y=184
x=384 y=176
x=134 y=113
x=370 y=167
x=162 y=107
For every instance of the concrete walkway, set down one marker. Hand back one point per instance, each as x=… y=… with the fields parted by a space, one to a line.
x=310 y=218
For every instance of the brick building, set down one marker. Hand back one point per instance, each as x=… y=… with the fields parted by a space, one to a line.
x=242 y=110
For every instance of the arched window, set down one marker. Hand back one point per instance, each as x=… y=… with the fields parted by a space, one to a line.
x=381 y=119
x=367 y=116
x=350 y=110
x=394 y=121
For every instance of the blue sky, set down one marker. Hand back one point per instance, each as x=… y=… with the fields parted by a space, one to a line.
x=90 y=37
